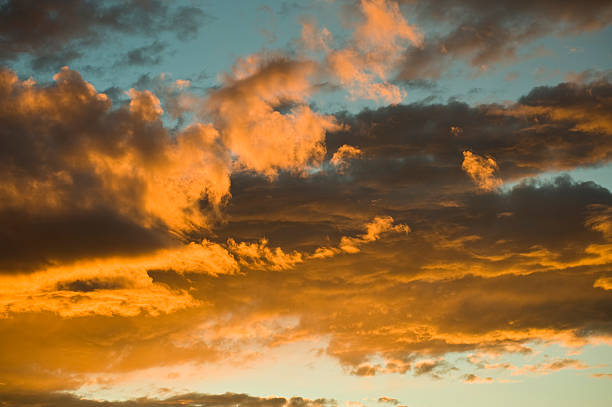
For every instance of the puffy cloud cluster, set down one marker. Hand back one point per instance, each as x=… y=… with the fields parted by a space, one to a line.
x=113 y=228
x=263 y=117
x=67 y=150
x=365 y=65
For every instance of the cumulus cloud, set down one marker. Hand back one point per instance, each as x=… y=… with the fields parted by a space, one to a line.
x=364 y=65
x=122 y=158
x=247 y=110
x=493 y=271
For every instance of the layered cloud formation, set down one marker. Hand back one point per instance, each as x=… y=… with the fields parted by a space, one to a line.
x=173 y=228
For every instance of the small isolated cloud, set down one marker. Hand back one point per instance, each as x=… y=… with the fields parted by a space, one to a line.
x=388 y=400
x=604 y=282
x=374 y=230
x=455 y=131
x=434 y=368
x=343 y=155
x=146 y=55
x=483 y=171
x=472 y=378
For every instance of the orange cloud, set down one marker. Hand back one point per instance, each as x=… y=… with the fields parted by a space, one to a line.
x=472 y=378
x=481 y=170
x=383 y=26
x=112 y=285
x=604 y=282
x=373 y=53
x=248 y=112
x=140 y=169
x=343 y=155
x=546 y=368
x=374 y=229
x=313 y=39
x=260 y=256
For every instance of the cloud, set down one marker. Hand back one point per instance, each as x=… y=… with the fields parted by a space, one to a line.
x=393 y=311
x=247 y=110
x=343 y=155
x=472 y=378
x=314 y=39
x=390 y=400
x=374 y=229
x=67 y=28
x=546 y=368
x=259 y=256
x=433 y=368
x=187 y=400
x=177 y=269
x=383 y=25
x=464 y=250
x=536 y=134
x=112 y=285
x=604 y=282
x=145 y=55
x=364 y=65
x=485 y=37
x=123 y=161
x=481 y=170
x=600 y=219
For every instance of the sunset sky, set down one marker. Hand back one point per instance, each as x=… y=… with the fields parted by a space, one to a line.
x=313 y=203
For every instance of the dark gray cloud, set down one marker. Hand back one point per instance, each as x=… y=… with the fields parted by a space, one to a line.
x=183 y=400
x=53 y=33
x=31 y=240
x=146 y=55
x=412 y=157
x=484 y=34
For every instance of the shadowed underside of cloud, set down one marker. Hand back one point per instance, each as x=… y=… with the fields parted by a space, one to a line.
x=496 y=274
x=183 y=400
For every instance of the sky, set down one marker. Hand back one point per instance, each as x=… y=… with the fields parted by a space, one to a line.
x=318 y=203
